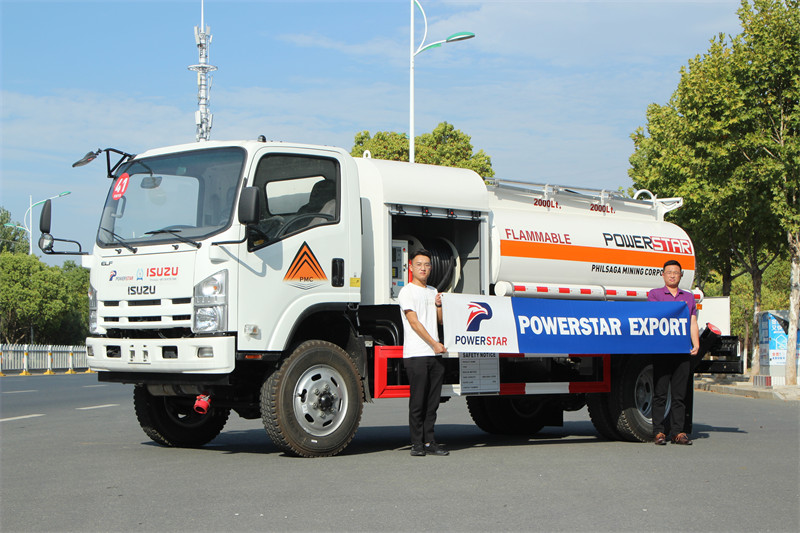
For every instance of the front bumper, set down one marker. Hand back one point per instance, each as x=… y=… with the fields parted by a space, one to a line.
x=196 y=355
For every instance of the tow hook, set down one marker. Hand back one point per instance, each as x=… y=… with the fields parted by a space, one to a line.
x=202 y=404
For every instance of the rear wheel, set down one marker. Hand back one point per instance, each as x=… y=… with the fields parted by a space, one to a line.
x=311 y=406
x=600 y=414
x=476 y=405
x=513 y=415
x=634 y=398
x=172 y=420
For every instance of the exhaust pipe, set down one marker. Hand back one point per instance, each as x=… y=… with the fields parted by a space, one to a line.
x=202 y=404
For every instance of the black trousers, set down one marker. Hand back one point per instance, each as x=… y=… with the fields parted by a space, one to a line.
x=425 y=376
x=670 y=370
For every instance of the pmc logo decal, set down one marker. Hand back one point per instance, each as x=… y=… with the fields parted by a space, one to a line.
x=478 y=312
x=305 y=271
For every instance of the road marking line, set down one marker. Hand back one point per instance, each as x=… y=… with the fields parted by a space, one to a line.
x=97 y=406
x=19 y=417
x=17 y=391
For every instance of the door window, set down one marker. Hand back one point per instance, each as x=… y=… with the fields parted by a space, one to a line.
x=297 y=193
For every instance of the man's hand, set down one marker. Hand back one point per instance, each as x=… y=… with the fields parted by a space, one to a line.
x=438 y=347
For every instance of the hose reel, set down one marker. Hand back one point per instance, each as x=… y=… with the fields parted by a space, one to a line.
x=445 y=262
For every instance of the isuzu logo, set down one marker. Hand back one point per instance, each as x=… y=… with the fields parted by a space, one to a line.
x=137 y=290
x=162 y=272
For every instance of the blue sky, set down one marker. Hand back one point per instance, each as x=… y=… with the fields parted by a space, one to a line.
x=551 y=90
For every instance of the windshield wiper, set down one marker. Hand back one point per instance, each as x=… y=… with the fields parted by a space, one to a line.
x=119 y=239
x=174 y=232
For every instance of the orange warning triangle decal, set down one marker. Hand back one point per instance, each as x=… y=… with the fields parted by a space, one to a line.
x=305 y=269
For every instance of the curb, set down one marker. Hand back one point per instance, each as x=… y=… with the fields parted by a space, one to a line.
x=746 y=389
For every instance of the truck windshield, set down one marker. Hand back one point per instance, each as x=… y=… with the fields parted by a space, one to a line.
x=181 y=197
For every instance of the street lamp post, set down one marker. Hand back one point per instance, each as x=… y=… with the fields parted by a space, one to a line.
x=413 y=52
x=27 y=219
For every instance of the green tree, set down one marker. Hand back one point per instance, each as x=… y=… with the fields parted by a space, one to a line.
x=445 y=146
x=40 y=303
x=767 y=72
x=715 y=143
x=11 y=239
x=383 y=145
x=774 y=295
x=74 y=325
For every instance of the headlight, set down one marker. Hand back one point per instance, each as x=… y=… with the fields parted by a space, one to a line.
x=93 y=310
x=211 y=303
x=207 y=319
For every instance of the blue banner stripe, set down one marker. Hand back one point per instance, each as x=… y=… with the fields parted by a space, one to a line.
x=589 y=327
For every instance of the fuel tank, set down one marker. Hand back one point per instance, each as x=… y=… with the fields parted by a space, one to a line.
x=601 y=243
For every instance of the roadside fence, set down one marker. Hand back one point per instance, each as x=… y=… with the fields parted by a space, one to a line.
x=23 y=358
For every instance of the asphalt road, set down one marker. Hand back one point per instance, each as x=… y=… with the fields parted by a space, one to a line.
x=74 y=459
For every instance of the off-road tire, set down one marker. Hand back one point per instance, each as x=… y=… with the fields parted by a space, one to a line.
x=600 y=415
x=508 y=415
x=311 y=405
x=633 y=397
x=172 y=421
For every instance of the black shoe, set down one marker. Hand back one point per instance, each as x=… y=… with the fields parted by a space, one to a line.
x=417 y=450
x=435 y=449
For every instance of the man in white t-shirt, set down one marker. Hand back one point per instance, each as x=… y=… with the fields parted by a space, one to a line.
x=421 y=308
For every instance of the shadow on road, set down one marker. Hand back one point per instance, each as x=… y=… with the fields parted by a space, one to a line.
x=376 y=439
x=703 y=431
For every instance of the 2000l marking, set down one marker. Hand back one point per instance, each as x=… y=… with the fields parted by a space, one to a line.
x=135 y=290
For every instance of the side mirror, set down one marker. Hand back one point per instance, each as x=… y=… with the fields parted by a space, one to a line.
x=249 y=206
x=44 y=218
x=46 y=243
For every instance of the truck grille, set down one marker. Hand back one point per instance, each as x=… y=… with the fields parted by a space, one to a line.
x=156 y=313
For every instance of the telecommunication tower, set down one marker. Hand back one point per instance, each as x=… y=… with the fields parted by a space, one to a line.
x=202 y=117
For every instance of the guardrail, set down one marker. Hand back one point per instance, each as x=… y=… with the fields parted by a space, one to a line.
x=24 y=358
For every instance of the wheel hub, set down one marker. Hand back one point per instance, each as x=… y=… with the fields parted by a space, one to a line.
x=325 y=402
x=644 y=394
x=320 y=400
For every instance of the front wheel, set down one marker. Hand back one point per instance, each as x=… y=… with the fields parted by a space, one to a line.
x=311 y=406
x=172 y=421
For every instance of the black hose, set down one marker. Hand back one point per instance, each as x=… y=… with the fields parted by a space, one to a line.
x=442 y=264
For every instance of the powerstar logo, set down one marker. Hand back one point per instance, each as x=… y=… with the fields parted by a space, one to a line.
x=114 y=276
x=478 y=312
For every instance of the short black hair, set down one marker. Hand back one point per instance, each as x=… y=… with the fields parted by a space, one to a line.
x=673 y=262
x=421 y=251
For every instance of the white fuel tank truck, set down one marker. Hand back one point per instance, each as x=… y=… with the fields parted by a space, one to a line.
x=261 y=278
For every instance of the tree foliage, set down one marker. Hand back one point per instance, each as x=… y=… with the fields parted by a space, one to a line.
x=47 y=302
x=445 y=146
x=11 y=239
x=773 y=293
x=727 y=142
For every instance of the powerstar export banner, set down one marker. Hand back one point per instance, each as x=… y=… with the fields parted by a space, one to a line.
x=495 y=324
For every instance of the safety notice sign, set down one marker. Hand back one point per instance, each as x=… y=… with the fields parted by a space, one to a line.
x=480 y=373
